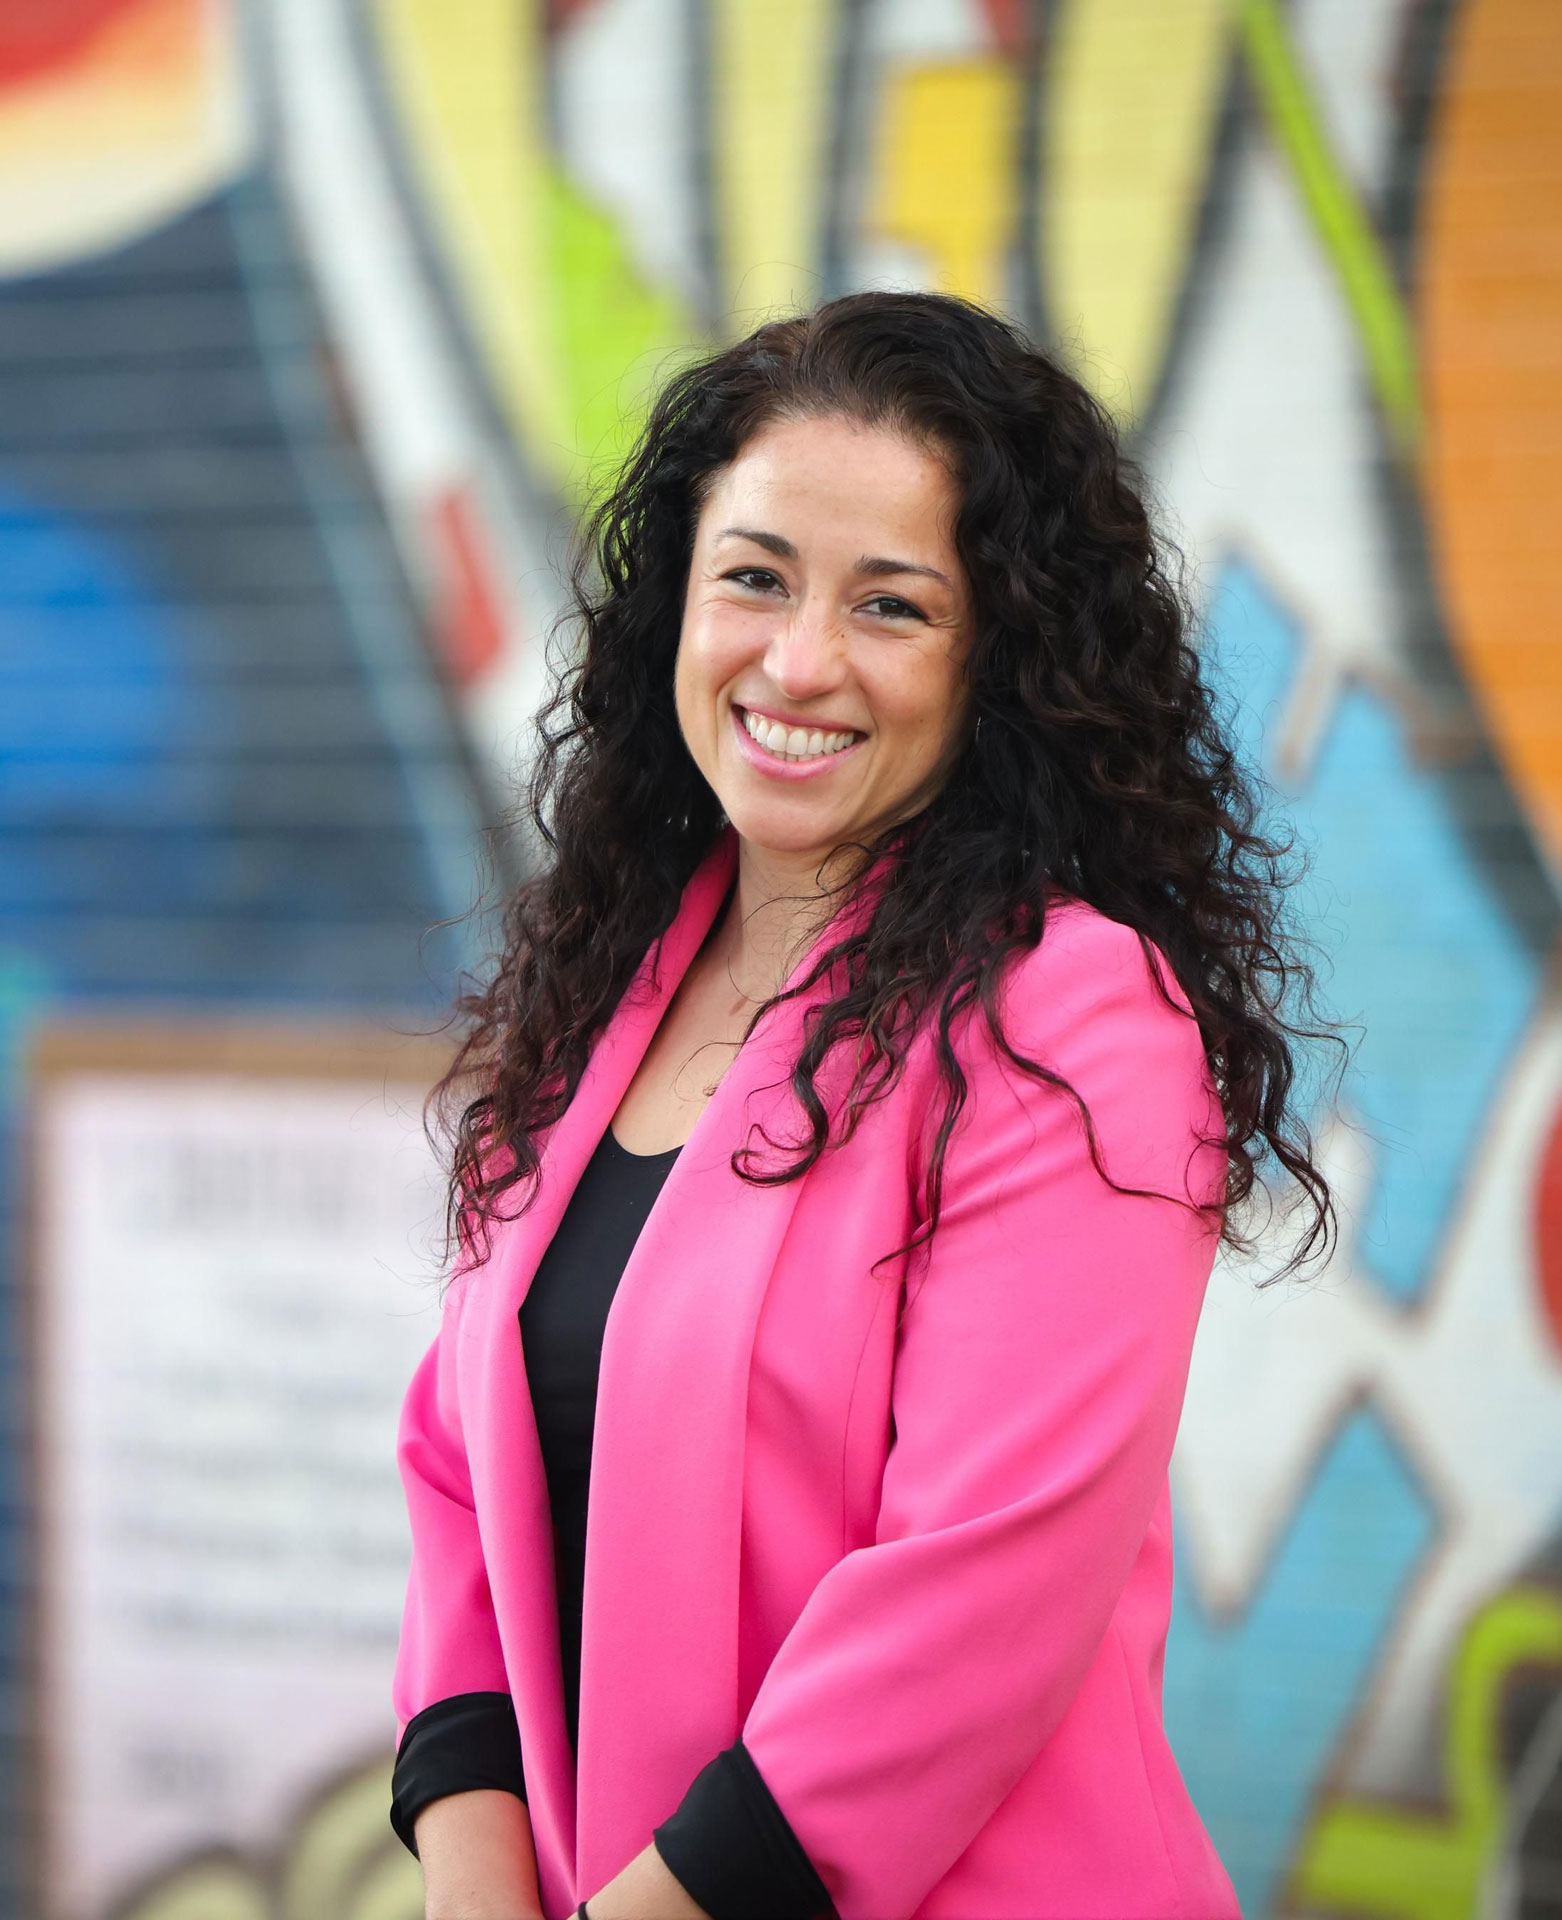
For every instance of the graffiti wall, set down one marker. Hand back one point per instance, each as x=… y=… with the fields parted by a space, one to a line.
x=319 y=319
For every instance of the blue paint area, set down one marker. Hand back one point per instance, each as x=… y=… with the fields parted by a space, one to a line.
x=1255 y=1707
x=89 y=680
x=152 y=841
x=1411 y=940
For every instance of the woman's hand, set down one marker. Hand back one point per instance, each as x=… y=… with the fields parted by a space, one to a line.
x=647 y=1889
x=478 y=1859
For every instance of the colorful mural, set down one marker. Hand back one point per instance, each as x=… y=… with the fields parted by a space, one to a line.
x=229 y=775
x=321 y=318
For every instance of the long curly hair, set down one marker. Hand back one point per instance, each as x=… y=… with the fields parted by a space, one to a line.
x=1101 y=768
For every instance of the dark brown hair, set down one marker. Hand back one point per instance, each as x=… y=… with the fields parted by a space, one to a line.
x=1103 y=766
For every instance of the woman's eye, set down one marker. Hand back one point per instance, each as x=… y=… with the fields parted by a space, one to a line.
x=761 y=579
x=892 y=607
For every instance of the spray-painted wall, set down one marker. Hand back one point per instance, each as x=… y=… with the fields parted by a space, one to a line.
x=318 y=320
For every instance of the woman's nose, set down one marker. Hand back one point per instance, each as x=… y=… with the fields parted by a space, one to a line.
x=807 y=653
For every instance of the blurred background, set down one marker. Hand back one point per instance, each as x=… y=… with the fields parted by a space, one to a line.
x=318 y=321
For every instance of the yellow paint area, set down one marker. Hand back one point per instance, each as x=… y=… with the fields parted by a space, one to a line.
x=1365 y=1858
x=571 y=337
x=209 y=1890
x=944 y=177
x=771 y=77
x=468 y=82
x=1133 y=99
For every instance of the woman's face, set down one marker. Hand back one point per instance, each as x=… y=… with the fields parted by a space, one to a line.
x=826 y=612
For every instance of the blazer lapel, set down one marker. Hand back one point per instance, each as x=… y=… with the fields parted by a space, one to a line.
x=509 y=1485
x=659 y=1684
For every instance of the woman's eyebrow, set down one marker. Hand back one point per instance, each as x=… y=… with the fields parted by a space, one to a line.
x=774 y=543
x=877 y=564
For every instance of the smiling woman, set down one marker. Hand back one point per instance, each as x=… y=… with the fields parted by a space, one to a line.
x=840 y=1150
x=798 y=626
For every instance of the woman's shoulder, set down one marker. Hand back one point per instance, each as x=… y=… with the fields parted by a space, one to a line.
x=1086 y=957
x=1084 y=1004
x=1084 y=1000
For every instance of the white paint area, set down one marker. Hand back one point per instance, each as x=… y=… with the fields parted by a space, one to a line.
x=424 y=431
x=362 y=258
x=623 y=73
x=1349 y=52
x=1467 y=1378
x=235 y=1282
x=1267 y=448
x=1267 y=444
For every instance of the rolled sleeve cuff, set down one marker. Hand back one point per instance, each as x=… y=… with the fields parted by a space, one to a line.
x=460 y=1745
x=731 y=1848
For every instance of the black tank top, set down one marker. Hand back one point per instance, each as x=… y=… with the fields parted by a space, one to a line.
x=563 y=1318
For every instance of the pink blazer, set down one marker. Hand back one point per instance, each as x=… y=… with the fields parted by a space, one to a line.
x=924 y=1571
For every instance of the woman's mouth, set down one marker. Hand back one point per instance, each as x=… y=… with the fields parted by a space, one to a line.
x=793 y=750
x=793 y=743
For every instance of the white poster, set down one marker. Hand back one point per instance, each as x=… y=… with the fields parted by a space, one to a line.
x=234 y=1278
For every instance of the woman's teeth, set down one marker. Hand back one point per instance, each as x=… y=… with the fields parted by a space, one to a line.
x=793 y=743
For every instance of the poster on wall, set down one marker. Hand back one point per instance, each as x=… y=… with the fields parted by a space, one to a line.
x=236 y=1244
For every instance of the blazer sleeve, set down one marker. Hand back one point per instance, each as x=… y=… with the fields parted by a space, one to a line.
x=449 y=1642
x=1038 y=1381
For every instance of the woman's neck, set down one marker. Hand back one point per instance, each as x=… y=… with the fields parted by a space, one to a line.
x=779 y=906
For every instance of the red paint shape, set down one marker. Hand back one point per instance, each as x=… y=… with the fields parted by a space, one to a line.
x=37 y=35
x=1010 y=21
x=560 y=12
x=1548 y=1230
x=469 y=623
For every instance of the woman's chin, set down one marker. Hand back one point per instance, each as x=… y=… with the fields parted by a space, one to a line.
x=782 y=833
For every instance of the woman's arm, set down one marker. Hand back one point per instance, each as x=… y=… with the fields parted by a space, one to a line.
x=1039 y=1374
x=647 y=1889
x=458 y=1791
x=478 y=1859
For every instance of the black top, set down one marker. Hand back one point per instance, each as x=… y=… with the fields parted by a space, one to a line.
x=563 y=1321
x=728 y=1843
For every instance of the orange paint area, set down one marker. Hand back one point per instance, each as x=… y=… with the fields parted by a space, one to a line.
x=50 y=33
x=113 y=119
x=130 y=44
x=1490 y=314
x=140 y=80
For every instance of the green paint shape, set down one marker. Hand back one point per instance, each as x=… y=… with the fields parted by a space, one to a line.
x=1364 y=1858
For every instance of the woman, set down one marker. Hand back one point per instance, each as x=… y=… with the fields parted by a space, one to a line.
x=883 y=1038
